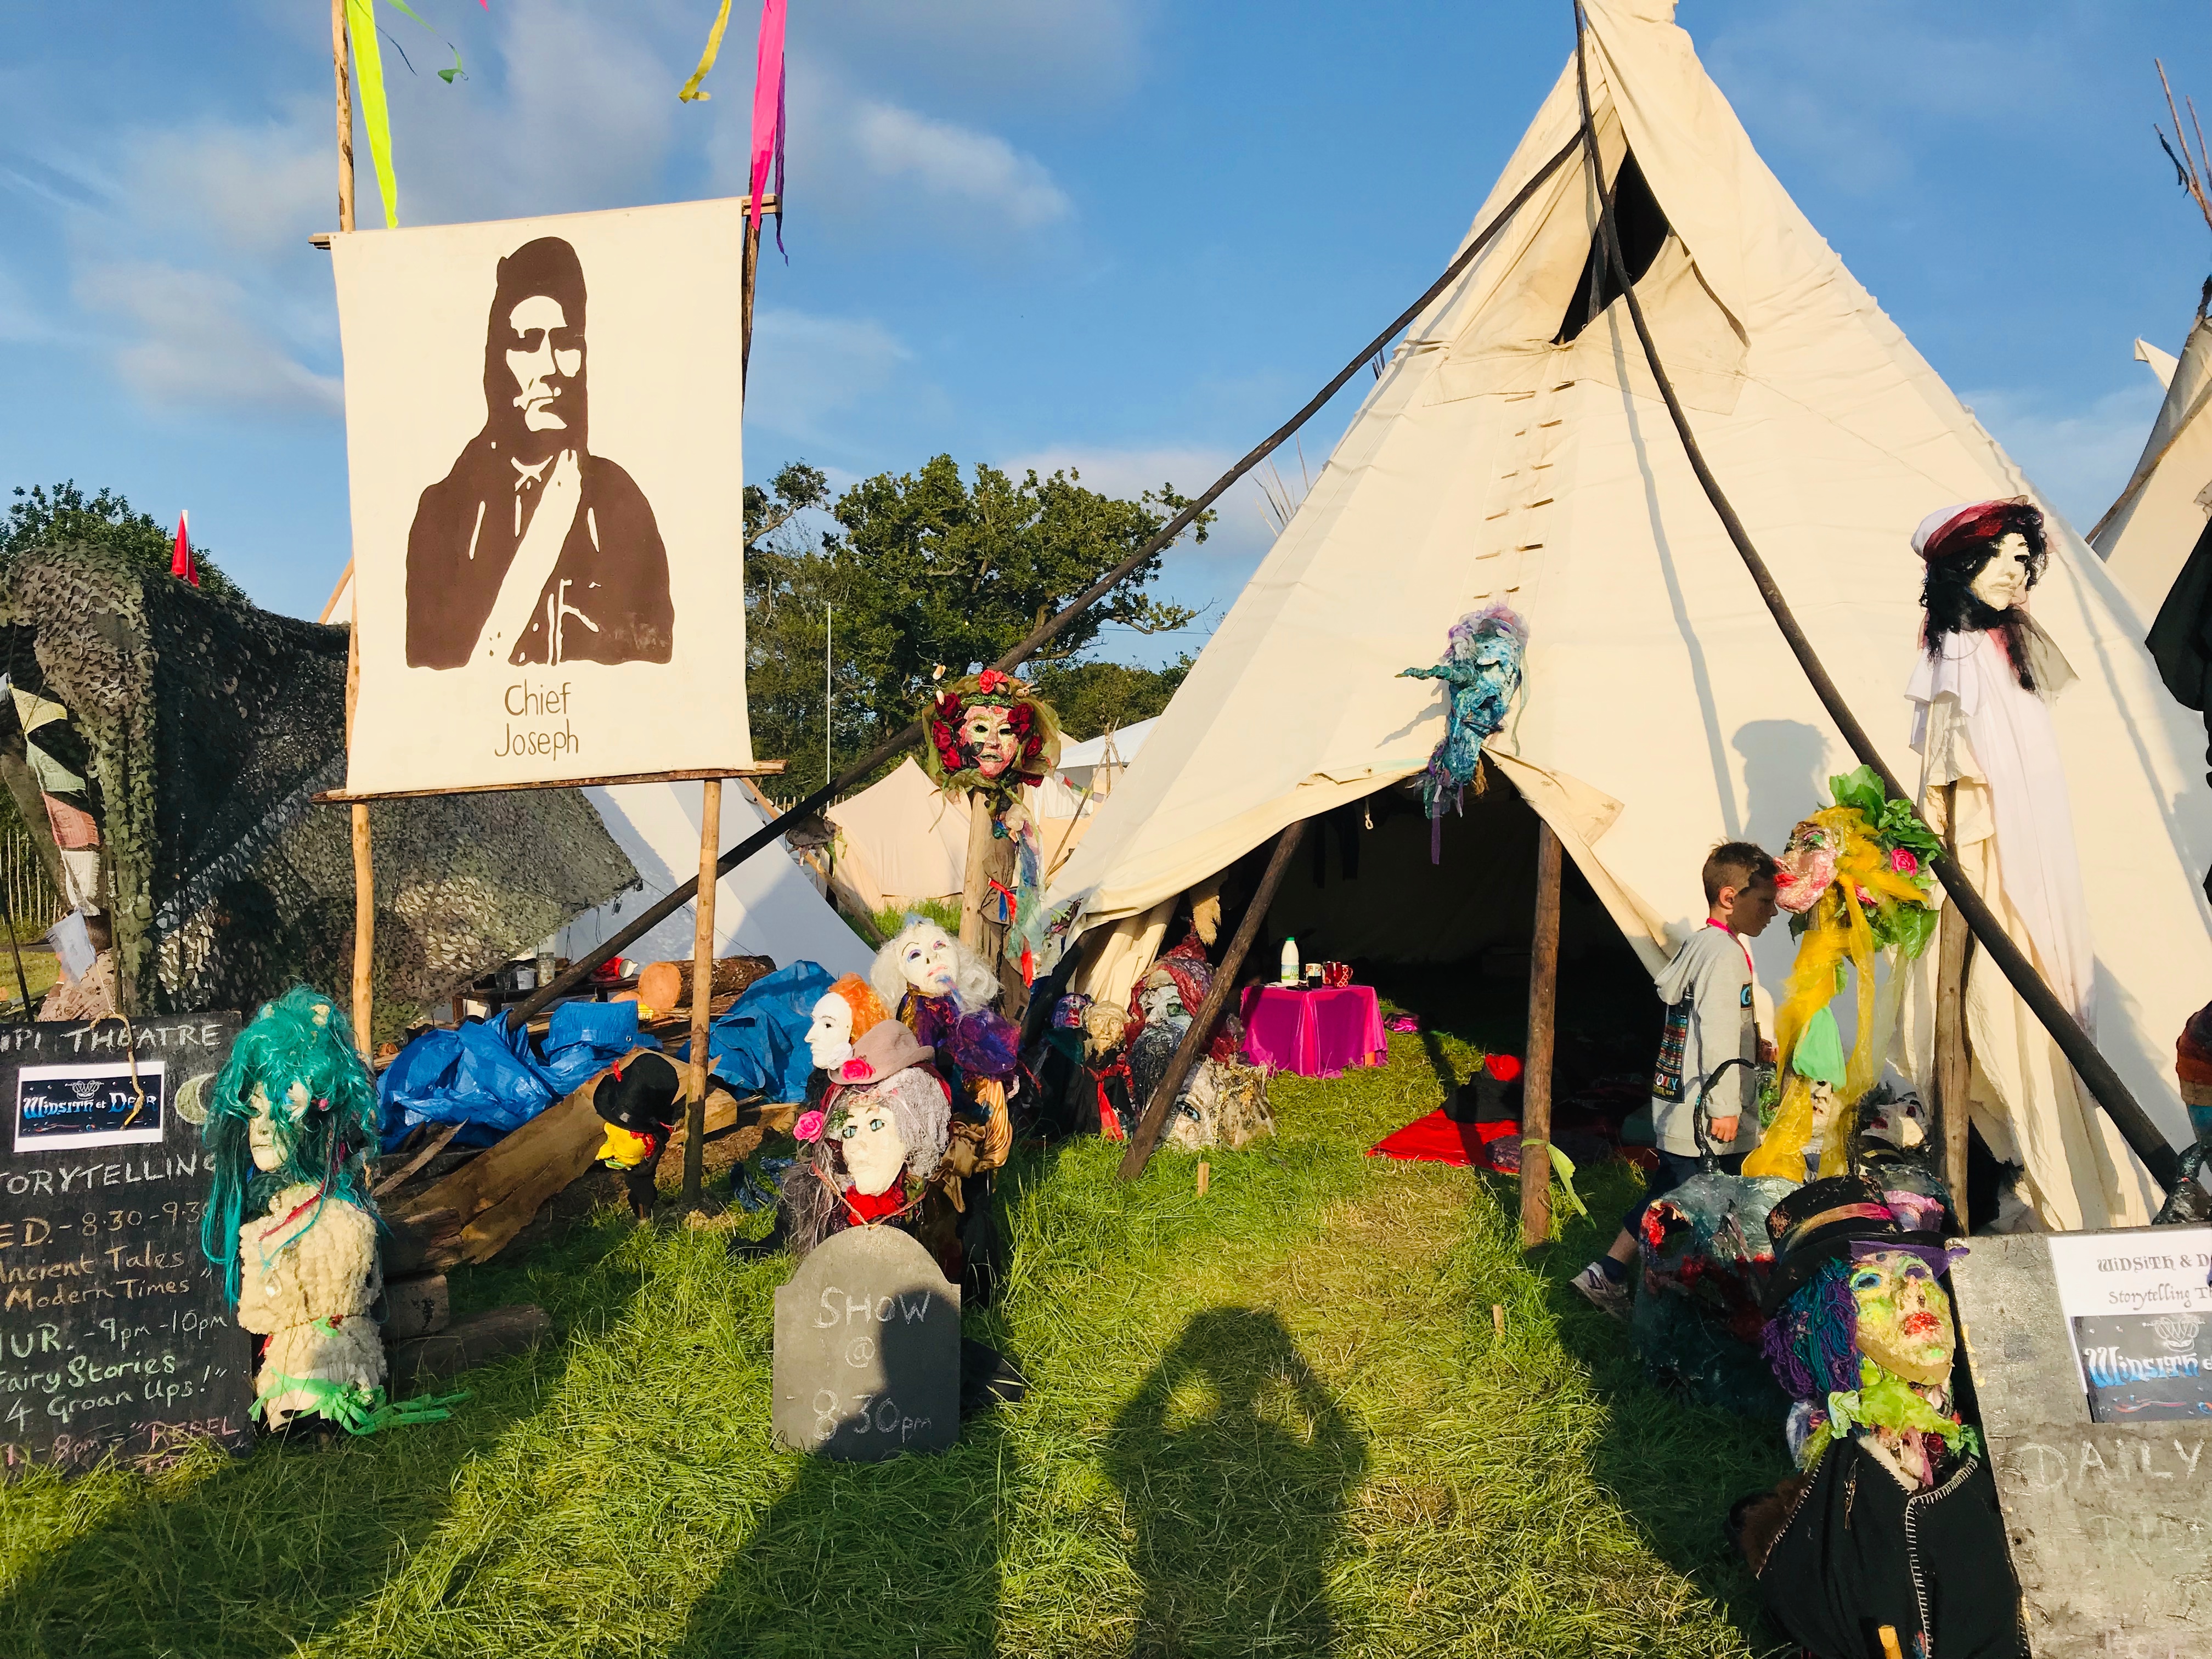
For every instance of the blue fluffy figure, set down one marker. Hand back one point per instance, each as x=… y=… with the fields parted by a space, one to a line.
x=1482 y=666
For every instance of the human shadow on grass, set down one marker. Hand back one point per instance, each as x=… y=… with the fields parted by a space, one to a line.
x=1235 y=1464
x=267 y=1552
x=893 y=1557
x=1674 y=1464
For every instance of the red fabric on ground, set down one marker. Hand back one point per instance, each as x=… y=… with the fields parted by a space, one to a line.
x=1437 y=1140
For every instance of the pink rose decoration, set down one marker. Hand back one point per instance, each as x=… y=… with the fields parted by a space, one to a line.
x=809 y=1126
x=1902 y=861
x=856 y=1070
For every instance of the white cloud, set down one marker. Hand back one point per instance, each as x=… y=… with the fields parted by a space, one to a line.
x=199 y=346
x=256 y=191
x=993 y=52
x=2080 y=459
x=957 y=163
x=807 y=368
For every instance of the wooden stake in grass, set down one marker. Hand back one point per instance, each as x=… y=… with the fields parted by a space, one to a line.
x=1536 y=1085
x=1205 y=1174
x=702 y=989
x=1498 y=1319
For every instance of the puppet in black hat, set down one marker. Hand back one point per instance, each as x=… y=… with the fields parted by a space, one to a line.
x=1861 y=1338
x=638 y=1099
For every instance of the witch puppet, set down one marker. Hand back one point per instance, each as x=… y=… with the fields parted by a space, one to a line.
x=1888 y=1539
x=290 y=1122
x=989 y=736
x=1992 y=778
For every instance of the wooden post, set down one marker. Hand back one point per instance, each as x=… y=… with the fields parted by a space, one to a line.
x=1536 y=1074
x=702 y=987
x=1954 y=1062
x=990 y=857
x=749 y=272
x=364 y=866
x=1208 y=1012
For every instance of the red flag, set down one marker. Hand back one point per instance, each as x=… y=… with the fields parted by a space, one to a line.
x=180 y=562
x=767 y=114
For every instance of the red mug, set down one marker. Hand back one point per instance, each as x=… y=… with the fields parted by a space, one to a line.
x=1336 y=974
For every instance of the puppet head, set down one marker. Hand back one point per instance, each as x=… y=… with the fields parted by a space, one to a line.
x=928 y=961
x=989 y=732
x=845 y=1013
x=293 y=1103
x=1982 y=558
x=1861 y=1332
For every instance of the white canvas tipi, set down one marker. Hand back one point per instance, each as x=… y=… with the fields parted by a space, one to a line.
x=1662 y=710
x=2146 y=536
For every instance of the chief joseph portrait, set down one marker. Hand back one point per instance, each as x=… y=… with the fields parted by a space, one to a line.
x=531 y=549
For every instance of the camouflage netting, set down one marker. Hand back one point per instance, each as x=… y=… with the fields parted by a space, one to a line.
x=212 y=724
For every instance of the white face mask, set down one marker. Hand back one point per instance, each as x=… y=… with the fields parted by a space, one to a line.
x=2003 y=582
x=829 y=1039
x=1160 y=1002
x=928 y=963
x=874 y=1150
x=261 y=1137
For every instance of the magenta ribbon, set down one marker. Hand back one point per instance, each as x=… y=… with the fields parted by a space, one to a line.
x=768 y=114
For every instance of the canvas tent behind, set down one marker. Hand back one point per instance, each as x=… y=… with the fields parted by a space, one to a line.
x=768 y=906
x=1508 y=454
x=2146 y=535
x=900 y=841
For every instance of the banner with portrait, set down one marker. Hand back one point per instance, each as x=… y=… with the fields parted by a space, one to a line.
x=543 y=434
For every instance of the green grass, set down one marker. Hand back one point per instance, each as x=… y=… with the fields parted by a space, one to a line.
x=1275 y=1420
x=945 y=913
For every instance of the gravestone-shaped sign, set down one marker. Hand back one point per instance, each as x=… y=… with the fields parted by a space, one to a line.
x=114 y=1333
x=867 y=1350
x=2087 y=1351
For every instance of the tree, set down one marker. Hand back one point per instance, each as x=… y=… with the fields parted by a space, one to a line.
x=928 y=576
x=1091 y=697
x=39 y=517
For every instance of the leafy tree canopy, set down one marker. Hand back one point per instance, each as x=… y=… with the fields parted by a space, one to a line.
x=40 y=516
x=928 y=573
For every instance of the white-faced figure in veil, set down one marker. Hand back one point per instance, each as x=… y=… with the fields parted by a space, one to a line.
x=1981 y=693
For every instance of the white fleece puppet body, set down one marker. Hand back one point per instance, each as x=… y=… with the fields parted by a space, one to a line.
x=320 y=1267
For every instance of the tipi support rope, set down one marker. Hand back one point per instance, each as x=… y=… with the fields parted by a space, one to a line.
x=2096 y=1073
x=652 y=915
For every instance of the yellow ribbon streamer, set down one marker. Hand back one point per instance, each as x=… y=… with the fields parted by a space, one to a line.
x=691 y=93
x=376 y=113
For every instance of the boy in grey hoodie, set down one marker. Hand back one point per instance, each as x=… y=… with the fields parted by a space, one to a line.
x=1707 y=991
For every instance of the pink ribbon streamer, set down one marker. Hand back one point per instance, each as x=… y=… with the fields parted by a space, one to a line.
x=768 y=114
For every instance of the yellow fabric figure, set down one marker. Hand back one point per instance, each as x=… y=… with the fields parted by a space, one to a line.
x=621 y=1150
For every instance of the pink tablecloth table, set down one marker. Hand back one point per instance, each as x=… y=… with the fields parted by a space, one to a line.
x=1317 y=1033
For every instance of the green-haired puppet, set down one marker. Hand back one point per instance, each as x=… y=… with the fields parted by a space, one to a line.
x=291 y=1121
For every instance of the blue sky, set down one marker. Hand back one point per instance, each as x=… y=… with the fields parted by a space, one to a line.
x=1120 y=234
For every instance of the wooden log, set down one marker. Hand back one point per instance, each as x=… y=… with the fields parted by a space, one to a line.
x=437 y=1145
x=416 y=1306
x=1953 y=1060
x=1536 y=1075
x=425 y=1243
x=702 y=973
x=662 y=985
x=495 y=1334
x=1209 y=1013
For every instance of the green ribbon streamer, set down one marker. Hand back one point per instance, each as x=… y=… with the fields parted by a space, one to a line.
x=1564 y=1167
x=691 y=93
x=376 y=113
x=356 y=1407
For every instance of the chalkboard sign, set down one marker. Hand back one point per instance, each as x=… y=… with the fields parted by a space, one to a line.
x=867 y=1350
x=114 y=1334
x=2080 y=1347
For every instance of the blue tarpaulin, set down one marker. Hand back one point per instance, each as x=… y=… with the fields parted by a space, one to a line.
x=759 y=1047
x=491 y=1078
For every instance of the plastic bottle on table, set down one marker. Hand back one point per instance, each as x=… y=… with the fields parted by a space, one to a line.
x=1291 y=960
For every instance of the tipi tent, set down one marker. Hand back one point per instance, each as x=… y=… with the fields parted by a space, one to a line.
x=2146 y=535
x=766 y=907
x=1507 y=452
